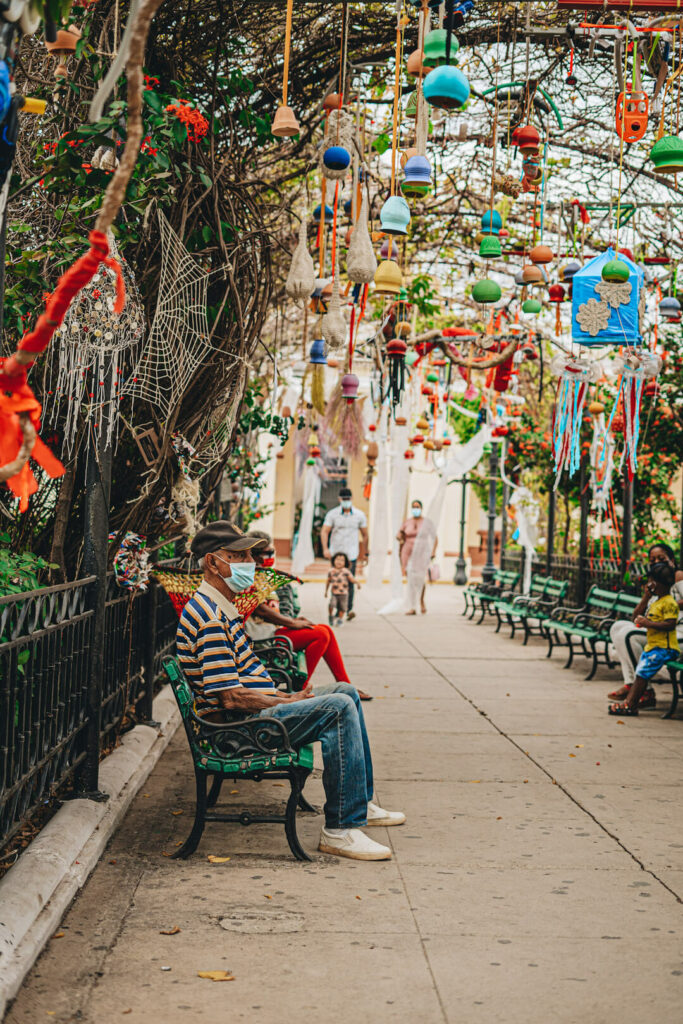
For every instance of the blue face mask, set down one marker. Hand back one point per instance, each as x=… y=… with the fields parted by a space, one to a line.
x=241 y=575
x=346 y=505
x=416 y=512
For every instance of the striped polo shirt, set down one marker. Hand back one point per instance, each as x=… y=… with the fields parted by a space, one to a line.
x=214 y=651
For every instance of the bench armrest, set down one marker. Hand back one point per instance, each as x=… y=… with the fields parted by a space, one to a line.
x=259 y=736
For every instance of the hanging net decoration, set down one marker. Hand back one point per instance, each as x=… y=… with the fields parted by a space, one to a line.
x=179 y=338
x=635 y=368
x=572 y=390
x=96 y=348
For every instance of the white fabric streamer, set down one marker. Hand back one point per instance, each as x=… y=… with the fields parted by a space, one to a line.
x=527 y=511
x=400 y=478
x=303 y=553
x=379 y=539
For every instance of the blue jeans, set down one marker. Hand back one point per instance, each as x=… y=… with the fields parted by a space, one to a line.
x=335 y=717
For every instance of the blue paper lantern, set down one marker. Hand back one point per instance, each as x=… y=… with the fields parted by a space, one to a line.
x=599 y=316
x=446 y=88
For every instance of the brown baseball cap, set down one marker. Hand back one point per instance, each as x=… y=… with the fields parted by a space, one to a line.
x=221 y=534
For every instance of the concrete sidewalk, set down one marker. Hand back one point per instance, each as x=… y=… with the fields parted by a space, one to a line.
x=537 y=879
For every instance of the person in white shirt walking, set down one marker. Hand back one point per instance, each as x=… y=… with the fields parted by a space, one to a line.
x=343 y=528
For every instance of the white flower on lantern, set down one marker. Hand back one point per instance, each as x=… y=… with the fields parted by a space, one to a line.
x=614 y=293
x=593 y=317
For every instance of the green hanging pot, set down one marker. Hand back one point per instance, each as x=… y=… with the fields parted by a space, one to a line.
x=489 y=248
x=616 y=270
x=486 y=291
x=531 y=306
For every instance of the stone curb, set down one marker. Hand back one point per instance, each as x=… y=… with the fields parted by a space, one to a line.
x=35 y=893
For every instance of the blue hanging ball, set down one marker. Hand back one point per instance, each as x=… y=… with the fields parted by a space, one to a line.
x=446 y=87
x=337 y=158
x=329 y=214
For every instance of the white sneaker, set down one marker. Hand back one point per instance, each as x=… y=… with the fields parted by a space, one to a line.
x=354 y=844
x=378 y=816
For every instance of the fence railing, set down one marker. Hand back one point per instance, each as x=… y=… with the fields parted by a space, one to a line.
x=45 y=640
x=605 y=572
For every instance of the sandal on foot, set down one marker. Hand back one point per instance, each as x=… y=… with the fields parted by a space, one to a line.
x=622 y=709
x=619 y=694
x=648 y=700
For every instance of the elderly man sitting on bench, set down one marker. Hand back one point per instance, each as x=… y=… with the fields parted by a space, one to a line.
x=227 y=677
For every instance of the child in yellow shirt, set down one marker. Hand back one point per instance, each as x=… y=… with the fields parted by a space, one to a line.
x=662 y=643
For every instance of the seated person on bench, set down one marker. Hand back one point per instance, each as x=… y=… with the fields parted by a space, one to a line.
x=659 y=617
x=226 y=676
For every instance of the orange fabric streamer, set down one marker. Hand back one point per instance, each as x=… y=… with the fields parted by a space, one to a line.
x=24 y=483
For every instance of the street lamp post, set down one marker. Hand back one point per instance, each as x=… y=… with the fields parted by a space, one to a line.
x=488 y=570
x=460 y=577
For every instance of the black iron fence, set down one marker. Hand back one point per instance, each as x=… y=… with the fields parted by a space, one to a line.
x=582 y=573
x=45 y=659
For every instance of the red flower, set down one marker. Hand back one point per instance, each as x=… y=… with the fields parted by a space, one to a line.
x=195 y=123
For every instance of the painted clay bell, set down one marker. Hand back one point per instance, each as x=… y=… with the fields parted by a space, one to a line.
x=395 y=216
x=285 y=124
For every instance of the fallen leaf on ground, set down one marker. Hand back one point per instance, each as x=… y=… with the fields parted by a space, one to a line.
x=474 y=780
x=359 y=897
x=578 y=745
x=176 y=813
x=179 y=843
x=146 y=795
x=572 y=755
x=59 y=935
x=112 y=862
x=129 y=1010
x=234 y=792
x=217 y=860
x=279 y=784
x=216 y=975
x=171 y=931
x=164 y=854
x=499 y=818
x=267 y=896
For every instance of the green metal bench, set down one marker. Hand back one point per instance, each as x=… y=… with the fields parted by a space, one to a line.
x=584 y=630
x=286 y=667
x=252 y=748
x=529 y=611
x=675 y=670
x=478 y=596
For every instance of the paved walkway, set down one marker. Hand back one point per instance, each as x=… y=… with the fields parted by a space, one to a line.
x=537 y=879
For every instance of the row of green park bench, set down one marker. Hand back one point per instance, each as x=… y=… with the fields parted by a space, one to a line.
x=584 y=631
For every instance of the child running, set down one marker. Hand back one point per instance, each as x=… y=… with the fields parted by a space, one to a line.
x=662 y=643
x=338 y=579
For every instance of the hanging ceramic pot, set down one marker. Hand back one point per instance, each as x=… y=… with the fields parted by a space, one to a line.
x=531 y=306
x=670 y=308
x=531 y=274
x=527 y=139
x=616 y=270
x=541 y=254
x=491 y=223
x=388 y=279
x=329 y=214
x=418 y=177
x=435 y=47
x=395 y=216
x=667 y=155
x=317 y=352
x=446 y=87
x=63 y=47
x=349 y=386
x=486 y=291
x=489 y=248
x=336 y=158
x=332 y=101
x=285 y=124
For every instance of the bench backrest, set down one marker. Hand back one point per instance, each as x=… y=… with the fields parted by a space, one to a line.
x=616 y=603
x=547 y=587
x=626 y=604
x=507 y=578
x=182 y=690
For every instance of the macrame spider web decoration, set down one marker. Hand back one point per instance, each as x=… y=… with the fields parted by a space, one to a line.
x=215 y=433
x=95 y=347
x=179 y=338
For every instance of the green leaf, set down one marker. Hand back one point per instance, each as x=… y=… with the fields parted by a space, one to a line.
x=153 y=100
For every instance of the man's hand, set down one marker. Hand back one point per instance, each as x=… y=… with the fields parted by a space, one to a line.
x=302 y=623
x=302 y=694
x=326 y=553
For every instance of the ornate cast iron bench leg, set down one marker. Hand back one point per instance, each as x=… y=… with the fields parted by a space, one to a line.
x=215 y=791
x=297 y=778
x=674 y=676
x=192 y=841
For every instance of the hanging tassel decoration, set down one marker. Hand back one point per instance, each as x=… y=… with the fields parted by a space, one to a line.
x=635 y=368
x=575 y=376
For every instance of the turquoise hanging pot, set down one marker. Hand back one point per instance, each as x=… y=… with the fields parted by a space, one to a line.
x=446 y=88
x=395 y=216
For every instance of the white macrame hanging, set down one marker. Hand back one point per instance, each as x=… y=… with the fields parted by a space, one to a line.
x=334 y=326
x=300 y=281
x=95 y=352
x=361 y=262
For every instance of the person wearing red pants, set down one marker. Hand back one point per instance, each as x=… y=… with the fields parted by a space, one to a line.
x=316 y=640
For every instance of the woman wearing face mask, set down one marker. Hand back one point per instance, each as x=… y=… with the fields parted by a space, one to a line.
x=629 y=641
x=406 y=537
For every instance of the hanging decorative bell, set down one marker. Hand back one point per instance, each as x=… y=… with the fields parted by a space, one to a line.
x=486 y=291
x=446 y=88
x=489 y=248
x=531 y=306
x=317 y=352
x=491 y=223
x=388 y=278
x=329 y=214
x=531 y=274
x=395 y=216
x=615 y=270
x=285 y=124
x=349 y=386
x=418 y=176
x=541 y=254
